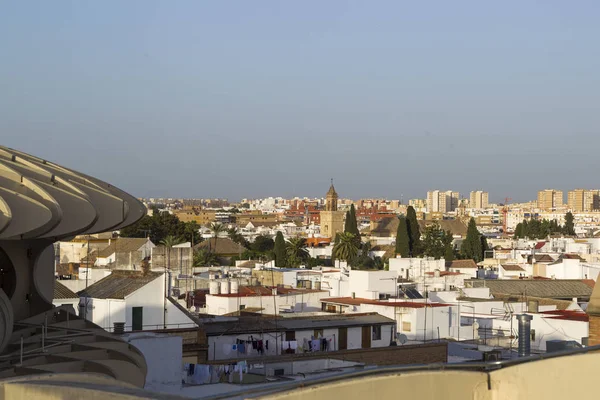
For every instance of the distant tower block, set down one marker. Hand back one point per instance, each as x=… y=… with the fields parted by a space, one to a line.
x=332 y=220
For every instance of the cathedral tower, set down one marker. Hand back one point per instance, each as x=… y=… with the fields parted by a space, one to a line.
x=332 y=220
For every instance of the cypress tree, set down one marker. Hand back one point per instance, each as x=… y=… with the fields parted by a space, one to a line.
x=280 y=250
x=484 y=246
x=518 y=231
x=471 y=246
x=569 y=224
x=402 y=238
x=347 y=226
x=414 y=233
x=448 y=248
x=354 y=225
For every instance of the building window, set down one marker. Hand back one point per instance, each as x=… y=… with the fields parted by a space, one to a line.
x=376 y=332
x=406 y=327
x=290 y=335
x=318 y=333
x=242 y=307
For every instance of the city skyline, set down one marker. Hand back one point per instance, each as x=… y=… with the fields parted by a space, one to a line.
x=255 y=99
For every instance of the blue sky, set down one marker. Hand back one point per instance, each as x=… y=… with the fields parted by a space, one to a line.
x=261 y=98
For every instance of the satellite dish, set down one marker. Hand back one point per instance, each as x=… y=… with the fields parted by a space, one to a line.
x=402 y=338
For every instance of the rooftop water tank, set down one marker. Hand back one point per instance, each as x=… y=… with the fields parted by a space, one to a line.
x=225 y=286
x=213 y=287
x=235 y=286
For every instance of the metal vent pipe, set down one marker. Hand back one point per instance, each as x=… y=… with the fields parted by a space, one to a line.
x=524 y=334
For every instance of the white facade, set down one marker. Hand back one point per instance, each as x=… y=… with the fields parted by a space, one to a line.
x=103 y=312
x=546 y=327
x=219 y=344
x=371 y=284
x=418 y=322
x=415 y=268
x=298 y=301
x=150 y=298
x=67 y=302
x=336 y=282
x=163 y=354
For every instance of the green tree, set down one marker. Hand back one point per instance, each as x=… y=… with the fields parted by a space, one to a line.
x=413 y=232
x=569 y=228
x=402 y=238
x=351 y=225
x=160 y=225
x=471 y=246
x=262 y=244
x=235 y=235
x=379 y=263
x=519 y=231
x=346 y=248
x=296 y=251
x=216 y=229
x=335 y=242
x=169 y=242
x=448 y=240
x=433 y=241
x=205 y=258
x=484 y=246
x=280 y=251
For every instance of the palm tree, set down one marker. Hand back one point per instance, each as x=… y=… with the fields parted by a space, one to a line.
x=205 y=258
x=296 y=251
x=216 y=229
x=168 y=242
x=235 y=235
x=345 y=248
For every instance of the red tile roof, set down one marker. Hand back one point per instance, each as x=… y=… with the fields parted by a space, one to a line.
x=358 y=301
x=463 y=264
x=572 y=257
x=590 y=282
x=443 y=273
x=512 y=267
x=539 y=245
x=570 y=315
x=250 y=291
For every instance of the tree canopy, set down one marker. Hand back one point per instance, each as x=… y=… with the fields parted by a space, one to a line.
x=402 y=238
x=296 y=251
x=346 y=249
x=536 y=229
x=413 y=232
x=471 y=247
x=280 y=251
x=433 y=241
x=162 y=224
x=351 y=225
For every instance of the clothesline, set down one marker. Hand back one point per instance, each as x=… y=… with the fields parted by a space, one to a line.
x=202 y=374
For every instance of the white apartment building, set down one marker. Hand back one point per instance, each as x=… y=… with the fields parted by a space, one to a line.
x=479 y=199
x=442 y=201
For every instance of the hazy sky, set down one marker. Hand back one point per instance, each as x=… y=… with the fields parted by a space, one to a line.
x=264 y=98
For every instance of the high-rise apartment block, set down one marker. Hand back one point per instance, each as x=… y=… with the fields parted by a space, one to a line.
x=582 y=200
x=479 y=199
x=550 y=199
x=438 y=201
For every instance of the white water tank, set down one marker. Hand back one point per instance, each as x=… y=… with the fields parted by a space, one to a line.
x=213 y=287
x=235 y=286
x=225 y=286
